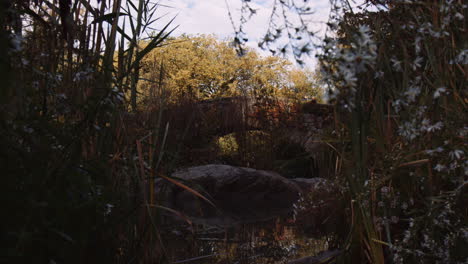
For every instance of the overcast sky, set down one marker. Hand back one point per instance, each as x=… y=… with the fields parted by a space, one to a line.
x=211 y=17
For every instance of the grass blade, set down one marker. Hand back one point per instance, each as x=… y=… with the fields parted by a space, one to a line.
x=185 y=187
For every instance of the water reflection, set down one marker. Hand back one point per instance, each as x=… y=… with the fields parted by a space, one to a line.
x=266 y=242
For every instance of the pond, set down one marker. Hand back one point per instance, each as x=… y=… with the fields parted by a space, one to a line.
x=226 y=214
x=265 y=242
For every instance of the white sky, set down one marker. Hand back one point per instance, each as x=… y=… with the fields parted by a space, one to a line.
x=211 y=17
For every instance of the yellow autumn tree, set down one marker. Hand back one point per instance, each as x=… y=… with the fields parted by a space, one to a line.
x=303 y=85
x=202 y=67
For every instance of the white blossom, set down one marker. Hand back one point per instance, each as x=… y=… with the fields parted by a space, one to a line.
x=461 y=58
x=108 y=209
x=417 y=63
x=412 y=93
x=459 y=16
x=456 y=154
x=404 y=206
x=408 y=130
x=427 y=127
x=432 y=151
x=439 y=91
x=440 y=167
x=397 y=104
x=396 y=64
x=417 y=44
x=378 y=74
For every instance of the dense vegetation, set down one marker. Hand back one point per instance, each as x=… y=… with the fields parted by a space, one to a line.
x=95 y=105
x=399 y=79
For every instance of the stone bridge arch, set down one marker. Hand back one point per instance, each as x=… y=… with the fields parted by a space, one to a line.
x=236 y=114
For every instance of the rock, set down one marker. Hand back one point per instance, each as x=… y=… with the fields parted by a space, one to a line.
x=241 y=195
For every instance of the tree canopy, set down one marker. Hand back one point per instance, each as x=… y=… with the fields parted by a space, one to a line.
x=202 y=67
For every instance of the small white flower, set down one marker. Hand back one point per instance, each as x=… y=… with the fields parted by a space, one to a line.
x=417 y=44
x=439 y=91
x=385 y=190
x=417 y=63
x=429 y=151
x=425 y=122
x=407 y=236
x=404 y=206
x=463 y=132
x=412 y=93
x=461 y=58
x=396 y=65
x=378 y=74
x=436 y=126
x=108 y=209
x=83 y=75
x=453 y=165
x=350 y=78
x=431 y=128
x=435 y=34
x=440 y=167
x=456 y=154
x=398 y=104
x=408 y=131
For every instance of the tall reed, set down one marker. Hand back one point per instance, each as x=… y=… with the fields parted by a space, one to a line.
x=69 y=189
x=398 y=79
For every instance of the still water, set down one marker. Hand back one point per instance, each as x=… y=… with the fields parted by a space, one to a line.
x=265 y=242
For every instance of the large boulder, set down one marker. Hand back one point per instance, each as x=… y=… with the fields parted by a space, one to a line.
x=240 y=195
